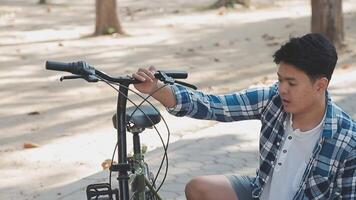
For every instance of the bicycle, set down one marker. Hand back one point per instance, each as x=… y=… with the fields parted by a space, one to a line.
x=134 y=177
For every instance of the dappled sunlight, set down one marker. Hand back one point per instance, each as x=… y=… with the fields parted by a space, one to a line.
x=223 y=50
x=43 y=35
x=37 y=180
x=343 y=89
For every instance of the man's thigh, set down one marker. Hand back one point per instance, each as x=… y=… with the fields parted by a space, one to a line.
x=242 y=186
x=210 y=187
x=229 y=187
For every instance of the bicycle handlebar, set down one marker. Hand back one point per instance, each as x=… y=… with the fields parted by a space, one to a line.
x=82 y=68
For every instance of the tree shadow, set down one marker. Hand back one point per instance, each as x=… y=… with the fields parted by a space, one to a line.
x=216 y=56
x=225 y=61
x=187 y=158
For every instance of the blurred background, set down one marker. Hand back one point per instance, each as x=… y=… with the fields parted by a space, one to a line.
x=53 y=133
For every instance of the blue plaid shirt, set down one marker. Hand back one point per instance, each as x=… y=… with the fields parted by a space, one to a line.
x=331 y=171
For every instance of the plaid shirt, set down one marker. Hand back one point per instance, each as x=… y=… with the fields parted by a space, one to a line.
x=331 y=171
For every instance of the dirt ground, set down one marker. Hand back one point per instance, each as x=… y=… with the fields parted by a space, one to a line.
x=223 y=51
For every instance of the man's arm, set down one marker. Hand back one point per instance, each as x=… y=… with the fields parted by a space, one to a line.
x=236 y=106
x=346 y=179
x=246 y=104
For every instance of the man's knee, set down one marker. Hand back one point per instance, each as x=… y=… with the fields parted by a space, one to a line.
x=196 y=188
x=210 y=187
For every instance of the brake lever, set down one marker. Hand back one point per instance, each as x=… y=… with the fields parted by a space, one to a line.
x=187 y=85
x=70 y=77
x=89 y=78
x=167 y=79
x=164 y=78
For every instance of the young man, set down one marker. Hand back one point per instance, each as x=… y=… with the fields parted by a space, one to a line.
x=307 y=143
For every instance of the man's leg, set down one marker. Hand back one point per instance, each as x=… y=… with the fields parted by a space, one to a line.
x=210 y=188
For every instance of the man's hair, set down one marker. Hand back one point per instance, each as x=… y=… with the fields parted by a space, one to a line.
x=312 y=53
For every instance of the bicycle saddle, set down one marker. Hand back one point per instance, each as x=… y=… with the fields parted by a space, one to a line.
x=148 y=118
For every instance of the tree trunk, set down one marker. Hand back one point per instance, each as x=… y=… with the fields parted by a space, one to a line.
x=42 y=2
x=327 y=18
x=107 y=20
x=230 y=3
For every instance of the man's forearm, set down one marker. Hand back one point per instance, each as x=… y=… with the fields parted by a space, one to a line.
x=165 y=96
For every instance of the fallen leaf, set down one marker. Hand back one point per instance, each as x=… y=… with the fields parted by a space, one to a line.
x=35 y=129
x=191 y=50
x=222 y=11
x=33 y=113
x=28 y=145
x=272 y=44
x=107 y=163
x=345 y=66
x=268 y=37
x=170 y=25
x=288 y=25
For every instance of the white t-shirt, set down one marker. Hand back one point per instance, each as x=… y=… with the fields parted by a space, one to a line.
x=291 y=162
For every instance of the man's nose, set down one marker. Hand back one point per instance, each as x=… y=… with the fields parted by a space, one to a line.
x=283 y=89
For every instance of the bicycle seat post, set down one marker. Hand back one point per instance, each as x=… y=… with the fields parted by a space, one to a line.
x=136 y=143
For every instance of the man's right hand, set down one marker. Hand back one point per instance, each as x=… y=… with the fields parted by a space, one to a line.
x=150 y=85
x=149 y=82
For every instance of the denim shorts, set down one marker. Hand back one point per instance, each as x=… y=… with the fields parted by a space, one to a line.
x=242 y=186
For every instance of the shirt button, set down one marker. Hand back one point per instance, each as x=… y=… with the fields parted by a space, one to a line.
x=289 y=137
x=277 y=144
x=284 y=151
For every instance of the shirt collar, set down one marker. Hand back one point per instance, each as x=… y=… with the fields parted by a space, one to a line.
x=330 y=126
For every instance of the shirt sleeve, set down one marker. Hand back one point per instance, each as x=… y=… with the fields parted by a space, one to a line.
x=247 y=104
x=346 y=180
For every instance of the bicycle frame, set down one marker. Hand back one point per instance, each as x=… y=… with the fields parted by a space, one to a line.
x=121 y=137
x=82 y=70
x=139 y=180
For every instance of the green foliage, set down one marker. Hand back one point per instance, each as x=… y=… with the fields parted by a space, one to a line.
x=144 y=148
x=110 y=30
x=230 y=3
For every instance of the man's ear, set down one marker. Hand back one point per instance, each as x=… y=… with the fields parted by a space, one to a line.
x=322 y=84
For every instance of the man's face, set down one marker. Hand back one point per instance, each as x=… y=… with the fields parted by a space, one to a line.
x=298 y=93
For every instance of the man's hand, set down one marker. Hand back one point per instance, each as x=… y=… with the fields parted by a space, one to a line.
x=150 y=85
x=149 y=82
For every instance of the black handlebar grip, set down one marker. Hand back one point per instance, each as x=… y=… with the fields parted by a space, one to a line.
x=176 y=74
x=72 y=67
x=59 y=66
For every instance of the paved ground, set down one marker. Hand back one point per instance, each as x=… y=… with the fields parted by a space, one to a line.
x=221 y=148
x=222 y=50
